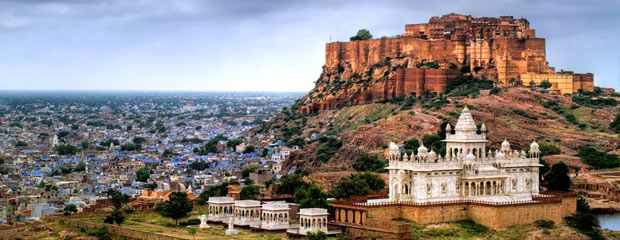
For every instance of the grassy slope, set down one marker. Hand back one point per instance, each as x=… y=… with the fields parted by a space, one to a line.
x=370 y=127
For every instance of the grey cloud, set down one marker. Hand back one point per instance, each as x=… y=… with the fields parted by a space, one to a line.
x=150 y=42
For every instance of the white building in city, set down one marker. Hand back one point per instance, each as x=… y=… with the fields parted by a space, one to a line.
x=467 y=171
x=247 y=212
x=220 y=209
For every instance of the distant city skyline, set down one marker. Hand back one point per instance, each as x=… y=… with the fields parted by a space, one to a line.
x=273 y=45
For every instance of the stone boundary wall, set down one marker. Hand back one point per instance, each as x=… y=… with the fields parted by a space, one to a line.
x=125 y=232
x=554 y=206
x=377 y=229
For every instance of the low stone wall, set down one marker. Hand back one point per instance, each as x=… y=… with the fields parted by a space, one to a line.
x=494 y=215
x=125 y=232
x=377 y=229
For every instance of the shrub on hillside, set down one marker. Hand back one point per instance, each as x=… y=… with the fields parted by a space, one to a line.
x=357 y=184
x=544 y=223
x=557 y=178
x=369 y=163
x=615 y=124
x=328 y=146
x=468 y=85
x=598 y=159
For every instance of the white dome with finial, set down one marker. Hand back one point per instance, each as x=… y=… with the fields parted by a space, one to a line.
x=465 y=123
x=470 y=157
x=422 y=150
x=534 y=147
x=432 y=154
x=394 y=147
x=448 y=128
x=483 y=128
x=499 y=155
x=505 y=146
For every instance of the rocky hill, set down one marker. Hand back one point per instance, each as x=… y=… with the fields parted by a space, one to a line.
x=374 y=91
x=518 y=114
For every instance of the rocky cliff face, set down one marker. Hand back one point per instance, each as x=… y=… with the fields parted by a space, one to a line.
x=365 y=71
x=500 y=49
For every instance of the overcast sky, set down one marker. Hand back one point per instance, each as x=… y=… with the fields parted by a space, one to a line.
x=254 y=45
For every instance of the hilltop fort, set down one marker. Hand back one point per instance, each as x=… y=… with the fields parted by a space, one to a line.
x=431 y=56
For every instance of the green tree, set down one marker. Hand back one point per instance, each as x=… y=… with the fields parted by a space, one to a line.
x=131 y=147
x=84 y=145
x=168 y=153
x=369 y=163
x=545 y=84
x=615 y=124
x=250 y=192
x=211 y=145
x=69 y=209
x=412 y=144
x=118 y=199
x=233 y=143
x=316 y=236
x=116 y=217
x=585 y=221
x=212 y=191
x=357 y=184
x=249 y=149
x=290 y=183
x=296 y=142
x=192 y=231
x=138 y=140
x=199 y=165
x=548 y=149
x=245 y=173
x=348 y=187
x=265 y=152
x=143 y=175
x=177 y=207
x=557 y=178
x=311 y=197
x=328 y=146
x=66 y=149
x=532 y=84
x=62 y=134
x=374 y=181
x=512 y=81
x=598 y=159
x=81 y=167
x=362 y=34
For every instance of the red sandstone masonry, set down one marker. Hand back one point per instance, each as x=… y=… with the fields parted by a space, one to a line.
x=550 y=206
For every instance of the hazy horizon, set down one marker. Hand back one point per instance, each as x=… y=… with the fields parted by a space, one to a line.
x=253 y=46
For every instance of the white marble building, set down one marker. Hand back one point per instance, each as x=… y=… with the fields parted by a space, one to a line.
x=312 y=220
x=220 y=208
x=275 y=216
x=247 y=212
x=269 y=216
x=467 y=171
